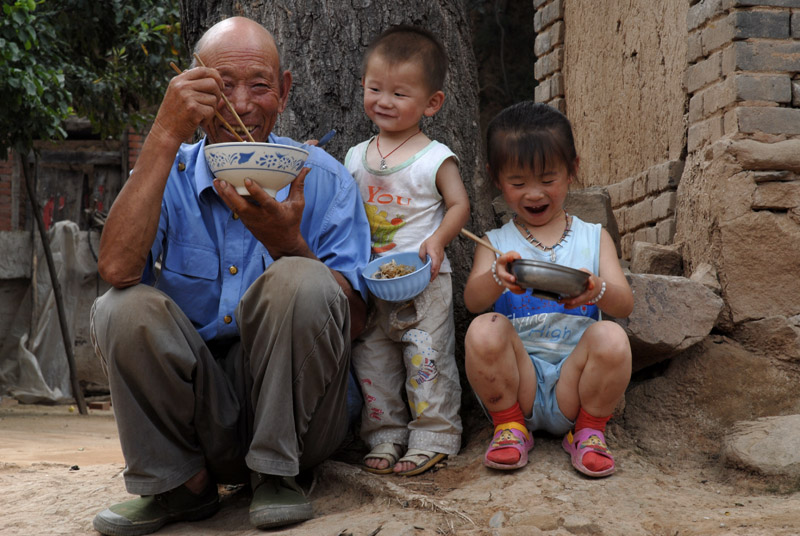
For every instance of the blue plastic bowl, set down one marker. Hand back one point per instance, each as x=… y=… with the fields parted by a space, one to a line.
x=403 y=288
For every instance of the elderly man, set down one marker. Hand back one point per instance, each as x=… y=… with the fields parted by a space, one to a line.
x=230 y=361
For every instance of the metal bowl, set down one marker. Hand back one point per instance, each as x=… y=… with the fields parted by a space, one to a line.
x=549 y=281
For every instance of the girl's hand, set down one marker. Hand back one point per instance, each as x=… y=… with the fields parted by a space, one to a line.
x=594 y=286
x=503 y=272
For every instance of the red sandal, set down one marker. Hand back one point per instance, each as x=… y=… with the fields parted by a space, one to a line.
x=587 y=440
x=509 y=435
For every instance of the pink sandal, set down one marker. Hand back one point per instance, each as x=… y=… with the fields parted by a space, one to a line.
x=510 y=435
x=587 y=440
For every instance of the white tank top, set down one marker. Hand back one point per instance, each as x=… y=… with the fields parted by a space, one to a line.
x=403 y=205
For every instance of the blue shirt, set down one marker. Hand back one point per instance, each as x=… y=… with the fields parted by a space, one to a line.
x=209 y=259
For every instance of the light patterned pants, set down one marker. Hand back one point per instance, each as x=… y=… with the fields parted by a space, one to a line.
x=273 y=403
x=409 y=349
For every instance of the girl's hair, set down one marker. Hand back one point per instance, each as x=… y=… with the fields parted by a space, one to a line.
x=403 y=43
x=528 y=134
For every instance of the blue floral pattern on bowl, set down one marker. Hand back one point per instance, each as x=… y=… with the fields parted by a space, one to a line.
x=272 y=166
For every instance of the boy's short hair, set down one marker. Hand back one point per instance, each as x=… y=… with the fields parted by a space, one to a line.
x=404 y=43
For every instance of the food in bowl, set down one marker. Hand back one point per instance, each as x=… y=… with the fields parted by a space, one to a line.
x=270 y=165
x=391 y=270
x=399 y=288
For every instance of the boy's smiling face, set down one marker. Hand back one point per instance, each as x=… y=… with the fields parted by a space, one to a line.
x=396 y=95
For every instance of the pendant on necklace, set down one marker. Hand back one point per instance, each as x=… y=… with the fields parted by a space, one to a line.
x=553 y=255
x=383 y=165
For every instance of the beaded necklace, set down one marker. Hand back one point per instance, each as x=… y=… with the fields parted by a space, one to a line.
x=551 y=249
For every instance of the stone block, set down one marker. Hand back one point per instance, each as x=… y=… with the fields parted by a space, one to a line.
x=621 y=214
x=548 y=14
x=704 y=132
x=704 y=72
x=796 y=24
x=730 y=4
x=776 y=196
x=706 y=275
x=717 y=34
x=761 y=56
x=548 y=39
x=703 y=11
x=694 y=47
x=559 y=104
x=670 y=314
x=593 y=205
x=770 y=120
x=774 y=336
x=627 y=244
x=639 y=186
x=696 y=108
x=766 y=446
x=760 y=156
x=665 y=231
x=763 y=87
x=796 y=93
x=549 y=63
x=541 y=93
x=718 y=96
x=649 y=258
x=767 y=24
x=621 y=193
x=664 y=205
x=539 y=3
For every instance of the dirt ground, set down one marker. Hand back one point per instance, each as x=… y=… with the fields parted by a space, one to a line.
x=58 y=468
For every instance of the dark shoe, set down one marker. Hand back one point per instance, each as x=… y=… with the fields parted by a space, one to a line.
x=149 y=513
x=277 y=501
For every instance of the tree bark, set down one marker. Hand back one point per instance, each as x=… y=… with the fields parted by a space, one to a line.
x=322 y=43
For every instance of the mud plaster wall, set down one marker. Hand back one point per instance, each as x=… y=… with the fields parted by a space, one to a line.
x=617 y=70
x=624 y=66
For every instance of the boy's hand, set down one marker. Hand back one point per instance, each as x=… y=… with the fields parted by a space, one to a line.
x=431 y=248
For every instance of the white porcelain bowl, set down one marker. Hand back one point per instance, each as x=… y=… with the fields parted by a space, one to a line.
x=403 y=288
x=270 y=165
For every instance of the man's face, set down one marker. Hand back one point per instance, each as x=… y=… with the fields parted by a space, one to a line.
x=253 y=83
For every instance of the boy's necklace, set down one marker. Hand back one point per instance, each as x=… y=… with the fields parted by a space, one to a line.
x=383 y=165
x=532 y=239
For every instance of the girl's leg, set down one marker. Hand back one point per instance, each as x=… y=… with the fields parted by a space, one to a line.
x=593 y=379
x=502 y=375
x=595 y=375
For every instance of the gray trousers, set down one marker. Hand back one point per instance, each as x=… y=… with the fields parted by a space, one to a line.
x=409 y=348
x=273 y=402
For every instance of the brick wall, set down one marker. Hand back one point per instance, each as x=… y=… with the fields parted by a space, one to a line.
x=742 y=79
x=744 y=68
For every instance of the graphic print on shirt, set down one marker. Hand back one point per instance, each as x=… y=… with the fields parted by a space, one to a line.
x=382 y=228
x=420 y=361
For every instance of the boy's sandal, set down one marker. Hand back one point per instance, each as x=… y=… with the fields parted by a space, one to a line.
x=587 y=440
x=422 y=459
x=509 y=435
x=384 y=451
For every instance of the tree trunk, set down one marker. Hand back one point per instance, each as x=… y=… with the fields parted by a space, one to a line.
x=322 y=43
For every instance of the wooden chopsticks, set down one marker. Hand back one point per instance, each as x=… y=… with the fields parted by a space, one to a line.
x=227 y=125
x=230 y=106
x=480 y=241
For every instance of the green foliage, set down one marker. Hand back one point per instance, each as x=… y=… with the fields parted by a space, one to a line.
x=105 y=60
